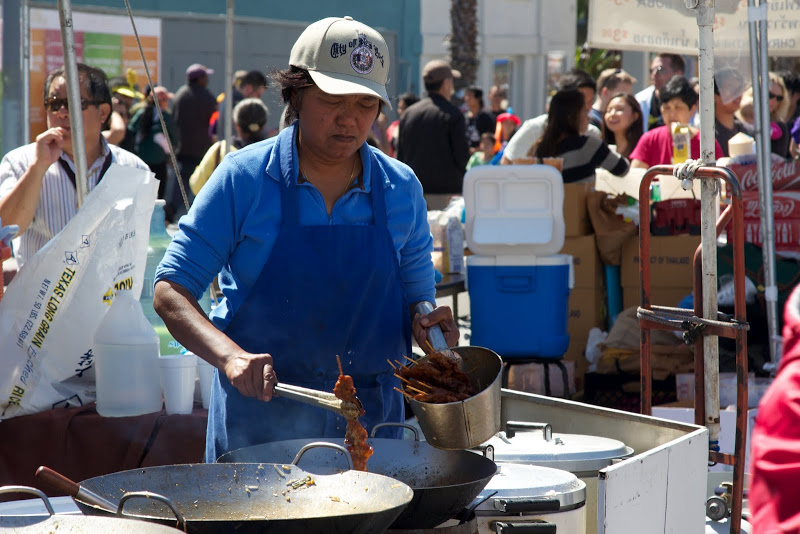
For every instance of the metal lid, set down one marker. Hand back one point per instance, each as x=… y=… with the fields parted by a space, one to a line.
x=576 y=453
x=519 y=488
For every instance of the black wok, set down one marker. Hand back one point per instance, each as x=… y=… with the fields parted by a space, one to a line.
x=444 y=481
x=246 y=498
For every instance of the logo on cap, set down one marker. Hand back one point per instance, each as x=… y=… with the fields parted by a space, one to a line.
x=361 y=59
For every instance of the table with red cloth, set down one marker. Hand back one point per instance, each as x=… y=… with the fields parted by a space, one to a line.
x=79 y=443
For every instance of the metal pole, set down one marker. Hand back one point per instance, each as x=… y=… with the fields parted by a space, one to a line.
x=765 y=192
x=709 y=201
x=74 y=99
x=11 y=116
x=228 y=126
x=26 y=71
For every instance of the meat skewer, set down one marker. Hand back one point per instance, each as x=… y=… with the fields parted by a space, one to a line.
x=355 y=436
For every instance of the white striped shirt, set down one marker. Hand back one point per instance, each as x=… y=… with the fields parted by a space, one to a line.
x=58 y=198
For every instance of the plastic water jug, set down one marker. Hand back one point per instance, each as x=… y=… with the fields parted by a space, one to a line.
x=156 y=247
x=126 y=359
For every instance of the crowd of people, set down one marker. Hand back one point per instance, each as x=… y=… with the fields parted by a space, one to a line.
x=444 y=133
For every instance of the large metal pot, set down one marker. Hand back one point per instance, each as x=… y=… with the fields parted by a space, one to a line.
x=246 y=498
x=528 y=498
x=468 y=423
x=72 y=524
x=444 y=482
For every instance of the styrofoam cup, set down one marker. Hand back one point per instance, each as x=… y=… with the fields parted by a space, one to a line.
x=205 y=372
x=178 y=373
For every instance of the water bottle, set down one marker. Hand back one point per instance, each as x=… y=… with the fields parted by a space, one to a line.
x=126 y=358
x=156 y=247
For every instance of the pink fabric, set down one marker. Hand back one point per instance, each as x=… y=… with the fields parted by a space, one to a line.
x=655 y=147
x=775 y=446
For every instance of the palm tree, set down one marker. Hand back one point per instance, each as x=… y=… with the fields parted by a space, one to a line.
x=464 y=40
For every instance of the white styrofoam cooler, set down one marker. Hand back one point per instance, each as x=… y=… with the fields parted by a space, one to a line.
x=514 y=210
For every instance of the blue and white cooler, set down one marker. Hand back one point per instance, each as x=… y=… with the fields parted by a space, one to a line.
x=518 y=284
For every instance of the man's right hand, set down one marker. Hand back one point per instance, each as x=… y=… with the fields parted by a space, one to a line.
x=49 y=146
x=252 y=374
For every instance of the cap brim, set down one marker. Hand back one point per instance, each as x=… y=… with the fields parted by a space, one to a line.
x=344 y=84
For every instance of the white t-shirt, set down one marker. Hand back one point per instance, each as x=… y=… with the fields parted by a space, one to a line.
x=527 y=134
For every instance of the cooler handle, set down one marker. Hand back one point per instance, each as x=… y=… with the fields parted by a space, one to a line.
x=530 y=504
x=520 y=281
x=536 y=526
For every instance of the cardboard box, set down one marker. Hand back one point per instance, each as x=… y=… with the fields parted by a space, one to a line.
x=671 y=259
x=684 y=412
x=530 y=377
x=576 y=216
x=577 y=353
x=587 y=309
x=659 y=296
x=586 y=263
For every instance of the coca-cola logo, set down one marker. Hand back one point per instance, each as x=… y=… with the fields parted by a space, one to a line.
x=782 y=208
x=784 y=176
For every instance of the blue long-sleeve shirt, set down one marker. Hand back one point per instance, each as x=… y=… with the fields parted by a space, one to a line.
x=234 y=222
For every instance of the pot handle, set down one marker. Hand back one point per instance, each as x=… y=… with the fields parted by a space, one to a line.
x=404 y=425
x=536 y=526
x=532 y=504
x=513 y=426
x=157 y=497
x=32 y=491
x=435 y=335
x=325 y=444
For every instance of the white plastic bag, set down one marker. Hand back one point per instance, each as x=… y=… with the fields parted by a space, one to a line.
x=52 y=307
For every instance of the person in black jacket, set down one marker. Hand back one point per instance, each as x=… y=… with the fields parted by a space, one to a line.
x=191 y=109
x=433 y=137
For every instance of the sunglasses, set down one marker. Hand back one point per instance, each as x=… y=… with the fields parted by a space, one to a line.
x=54 y=104
x=779 y=98
x=656 y=70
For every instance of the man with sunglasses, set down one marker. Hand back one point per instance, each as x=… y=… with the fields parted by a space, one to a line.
x=37 y=181
x=663 y=67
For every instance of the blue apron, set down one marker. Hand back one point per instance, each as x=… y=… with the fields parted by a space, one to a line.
x=324 y=291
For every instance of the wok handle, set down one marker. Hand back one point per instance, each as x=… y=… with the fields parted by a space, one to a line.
x=73 y=489
x=32 y=491
x=404 y=425
x=155 y=496
x=537 y=526
x=435 y=335
x=324 y=444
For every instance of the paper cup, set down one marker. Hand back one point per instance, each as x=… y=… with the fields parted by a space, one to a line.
x=205 y=372
x=178 y=373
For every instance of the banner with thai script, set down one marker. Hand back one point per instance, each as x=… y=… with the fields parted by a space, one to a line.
x=668 y=26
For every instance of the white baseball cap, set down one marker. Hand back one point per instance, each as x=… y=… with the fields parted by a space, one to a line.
x=343 y=57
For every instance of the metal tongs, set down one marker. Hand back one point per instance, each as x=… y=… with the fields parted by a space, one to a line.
x=321 y=399
x=436 y=337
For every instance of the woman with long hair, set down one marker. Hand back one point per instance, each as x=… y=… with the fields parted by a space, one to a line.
x=581 y=154
x=622 y=123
